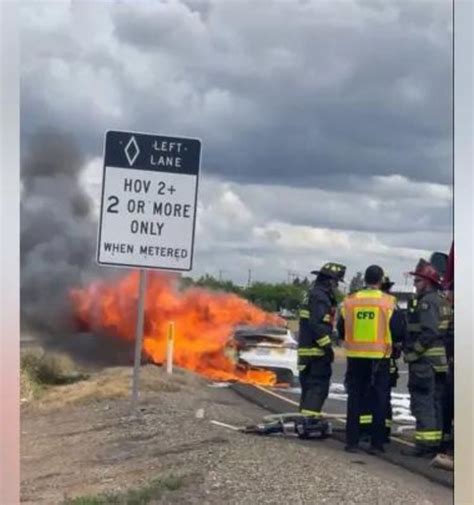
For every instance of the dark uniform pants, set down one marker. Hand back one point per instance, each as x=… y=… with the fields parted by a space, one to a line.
x=314 y=380
x=388 y=416
x=448 y=406
x=365 y=418
x=392 y=384
x=426 y=389
x=367 y=378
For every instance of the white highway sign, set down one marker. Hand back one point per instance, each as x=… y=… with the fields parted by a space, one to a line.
x=149 y=199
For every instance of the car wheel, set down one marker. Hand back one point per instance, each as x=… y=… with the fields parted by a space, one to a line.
x=285 y=376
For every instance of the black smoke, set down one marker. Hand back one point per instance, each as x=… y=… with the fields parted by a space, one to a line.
x=57 y=244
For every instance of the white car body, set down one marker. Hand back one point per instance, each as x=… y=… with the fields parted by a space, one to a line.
x=270 y=348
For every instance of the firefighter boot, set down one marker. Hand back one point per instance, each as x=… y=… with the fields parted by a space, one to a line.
x=313 y=428
x=420 y=451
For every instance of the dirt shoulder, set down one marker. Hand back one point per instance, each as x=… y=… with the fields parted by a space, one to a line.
x=79 y=440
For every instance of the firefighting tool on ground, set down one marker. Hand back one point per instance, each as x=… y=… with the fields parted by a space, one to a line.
x=292 y=424
x=443 y=461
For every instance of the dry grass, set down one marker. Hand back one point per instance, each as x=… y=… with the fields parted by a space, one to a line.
x=29 y=389
x=47 y=368
x=52 y=380
x=114 y=383
x=40 y=370
x=152 y=491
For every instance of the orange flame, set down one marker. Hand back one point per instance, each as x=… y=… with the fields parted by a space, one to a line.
x=204 y=322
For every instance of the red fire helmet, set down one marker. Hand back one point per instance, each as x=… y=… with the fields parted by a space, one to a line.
x=427 y=271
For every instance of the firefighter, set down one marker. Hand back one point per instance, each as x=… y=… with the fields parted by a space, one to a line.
x=448 y=404
x=425 y=354
x=365 y=418
x=397 y=346
x=315 y=353
x=367 y=326
x=448 y=400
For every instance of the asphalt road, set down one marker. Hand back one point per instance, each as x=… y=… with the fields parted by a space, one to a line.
x=336 y=402
x=276 y=401
x=339 y=370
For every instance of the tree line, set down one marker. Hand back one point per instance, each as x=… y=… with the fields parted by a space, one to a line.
x=271 y=297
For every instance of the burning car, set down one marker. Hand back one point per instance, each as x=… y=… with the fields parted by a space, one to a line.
x=204 y=321
x=271 y=348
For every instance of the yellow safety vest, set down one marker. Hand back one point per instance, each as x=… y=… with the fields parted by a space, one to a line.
x=367 y=316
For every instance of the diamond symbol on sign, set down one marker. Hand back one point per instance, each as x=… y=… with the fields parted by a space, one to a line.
x=132 y=151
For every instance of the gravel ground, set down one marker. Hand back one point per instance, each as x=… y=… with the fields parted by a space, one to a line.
x=92 y=445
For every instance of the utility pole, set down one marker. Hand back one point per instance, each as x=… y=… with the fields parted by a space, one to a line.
x=249 y=281
x=220 y=274
x=291 y=276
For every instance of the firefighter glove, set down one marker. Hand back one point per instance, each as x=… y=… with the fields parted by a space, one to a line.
x=410 y=357
x=330 y=352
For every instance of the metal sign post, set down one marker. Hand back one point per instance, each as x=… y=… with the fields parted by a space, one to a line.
x=148 y=210
x=138 y=338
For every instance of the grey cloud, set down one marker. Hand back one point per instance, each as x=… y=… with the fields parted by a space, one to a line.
x=271 y=239
x=306 y=95
x=202 y=7
x=427 y=240
x=360 y=122
x=272 y=266
x=393 y=205
x=369 y=96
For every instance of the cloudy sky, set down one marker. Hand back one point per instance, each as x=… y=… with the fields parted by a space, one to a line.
x=326 y=125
